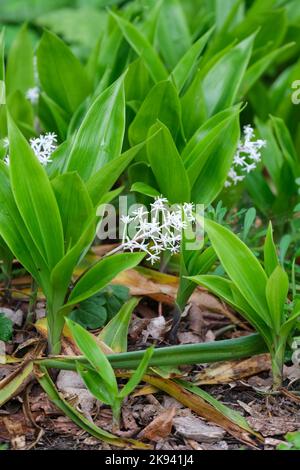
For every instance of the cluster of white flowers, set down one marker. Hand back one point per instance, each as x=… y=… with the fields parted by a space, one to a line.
x=162 y=233
x=247 y=157
x=43 y=147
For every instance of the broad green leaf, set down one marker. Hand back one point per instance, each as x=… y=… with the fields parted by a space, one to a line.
x=138 y=82
x=272 y=156
x=14 y=231
x=35 y=198
x=276 y=293
x=184 y=68
x=74 y=204
x=101 y=274
x=19 y=73
x=145 y=189
x=115 y=333
x=137 y=376
x=256 y=70
x=260 y=192
x=95 y=384
x=270 y=252
x=286 y=144
x=143 y=48
x=100 y=136
x=284 y=244
x=162 y=103
x=88 y=345
x=249 y=220
x=99 y=309
x=209 y=154
x=222 y=82
x=62 y=76
x=243 y=267
x=224 y=11
x=22 y=113
x=91 y=314
x=101 y=182
x=53 y=117
x=173 y=37
x=167 y=165
x=194 y=112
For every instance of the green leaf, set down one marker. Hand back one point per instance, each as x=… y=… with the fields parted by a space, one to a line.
x=250 y=217
x=186 y=65
x=256 y=70
x=96 y=311
x=243 y=268
x=145 y=189
x=14 y=231
x=100 y=136
x=35 y=198
x=19 y=73
x=143 y=48
x=222 y=82
x=270 y=252
x=101 y=274
x=276 y=293
x=162 y=103
x=74 y=204
x=208 y=155
x=137 y=376
x=192 y=263
x=53 y=116
x=6 y=327
x=62 y=76
x=22 y=113
x=88 y=345
x=101 y=182
x=91 y=313
x=167 y=165
x=115 y=333
x=286 y=144
x=95 y=384
x=234 y=416
x=173 y=37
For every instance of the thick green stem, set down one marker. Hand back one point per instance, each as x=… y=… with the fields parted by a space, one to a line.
x=201 y=353
x=277 y=366
x=55 y=323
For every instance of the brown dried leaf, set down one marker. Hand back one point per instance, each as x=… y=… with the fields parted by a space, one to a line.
x=233 y=370
x=160 y=427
